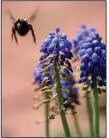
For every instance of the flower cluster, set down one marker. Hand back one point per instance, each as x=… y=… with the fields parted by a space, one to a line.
x=38 y=77
x=93 y=60
x=54 y=43
x=81 y=36
x=56 y=50
x=70 y=97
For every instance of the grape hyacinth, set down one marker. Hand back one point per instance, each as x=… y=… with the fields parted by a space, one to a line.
x=56 y=44
x=93 y=60
x=55 y=74
x=93 y=72
x=81 y=36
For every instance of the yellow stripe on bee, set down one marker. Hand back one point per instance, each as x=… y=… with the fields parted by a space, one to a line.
x=21 y=19
x=24 y=19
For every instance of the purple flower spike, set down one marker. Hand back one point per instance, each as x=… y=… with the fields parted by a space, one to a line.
x=93 y=60
x=83 y=35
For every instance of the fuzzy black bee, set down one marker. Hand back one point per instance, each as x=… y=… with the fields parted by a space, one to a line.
x=21 y=25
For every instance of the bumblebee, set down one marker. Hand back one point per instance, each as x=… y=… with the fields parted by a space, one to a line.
x=21 y=25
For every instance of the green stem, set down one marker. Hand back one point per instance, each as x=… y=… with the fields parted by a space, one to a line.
x=60 y=99
x=96 y=108
x=47 y=116
x=90 y=114
x=75 y=120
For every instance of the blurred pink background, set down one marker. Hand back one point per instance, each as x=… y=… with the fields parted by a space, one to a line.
x=18 y=62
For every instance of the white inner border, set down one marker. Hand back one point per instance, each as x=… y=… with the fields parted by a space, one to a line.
x=107 y=29
x=107 y=67
x=0 y=68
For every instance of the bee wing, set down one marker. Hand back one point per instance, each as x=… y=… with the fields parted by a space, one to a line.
x=33 y=16
x=10 y=15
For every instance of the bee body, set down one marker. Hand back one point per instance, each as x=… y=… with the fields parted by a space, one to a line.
x=22 y=27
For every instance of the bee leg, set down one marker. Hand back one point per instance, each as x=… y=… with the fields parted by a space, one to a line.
x=32 y=31
x=14 y=34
